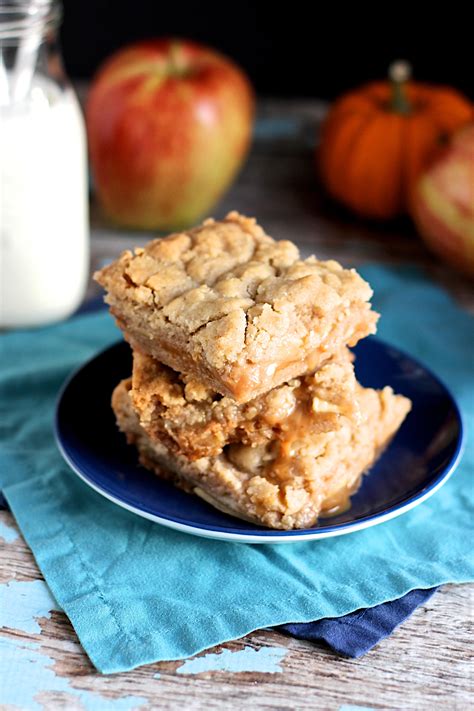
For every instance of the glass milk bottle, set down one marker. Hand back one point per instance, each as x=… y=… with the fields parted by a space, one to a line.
x=44 y=241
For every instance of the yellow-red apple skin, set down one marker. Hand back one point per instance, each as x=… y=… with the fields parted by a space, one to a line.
x=166 y=140
x=443 y=204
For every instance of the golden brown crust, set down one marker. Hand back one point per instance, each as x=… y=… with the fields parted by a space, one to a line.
x=284 y=483
x=183 y=413
x=226 y=303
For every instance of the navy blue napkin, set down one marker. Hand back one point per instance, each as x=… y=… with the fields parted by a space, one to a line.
x=355 y=634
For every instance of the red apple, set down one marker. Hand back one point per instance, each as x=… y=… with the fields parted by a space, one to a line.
x=169 y=124
x=443 y=205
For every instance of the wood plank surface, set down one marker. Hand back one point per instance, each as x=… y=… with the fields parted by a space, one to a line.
x=425 y=664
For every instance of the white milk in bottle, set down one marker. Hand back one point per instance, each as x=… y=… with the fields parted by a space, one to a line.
x=44 y=255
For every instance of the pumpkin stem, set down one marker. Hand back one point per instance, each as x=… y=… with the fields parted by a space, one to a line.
x=399 y=73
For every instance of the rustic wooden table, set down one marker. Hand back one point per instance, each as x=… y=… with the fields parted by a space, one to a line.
x=425 y=664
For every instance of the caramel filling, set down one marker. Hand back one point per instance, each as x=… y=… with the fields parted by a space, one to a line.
x=301 y=425
x=291 y=456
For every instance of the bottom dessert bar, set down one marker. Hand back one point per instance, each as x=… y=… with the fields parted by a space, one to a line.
x=283 y=484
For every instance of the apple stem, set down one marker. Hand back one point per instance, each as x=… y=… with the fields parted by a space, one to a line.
x=176 y=65
x=399 y=73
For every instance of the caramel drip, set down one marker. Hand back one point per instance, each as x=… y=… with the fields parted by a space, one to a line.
x=340 y=501
x=300 y=425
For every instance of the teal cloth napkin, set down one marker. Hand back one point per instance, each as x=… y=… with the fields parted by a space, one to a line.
x=138 y=593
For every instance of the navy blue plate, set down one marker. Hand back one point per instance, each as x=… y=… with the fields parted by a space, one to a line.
x=420 y=459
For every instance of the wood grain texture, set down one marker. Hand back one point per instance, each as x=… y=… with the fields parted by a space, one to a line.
x=425 y=664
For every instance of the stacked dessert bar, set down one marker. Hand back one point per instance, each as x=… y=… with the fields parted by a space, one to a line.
x=243 y=388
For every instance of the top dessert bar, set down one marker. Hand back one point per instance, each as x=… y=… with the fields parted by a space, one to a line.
x=241 y=312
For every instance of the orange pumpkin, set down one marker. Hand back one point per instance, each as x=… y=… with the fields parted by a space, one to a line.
x=377 y=139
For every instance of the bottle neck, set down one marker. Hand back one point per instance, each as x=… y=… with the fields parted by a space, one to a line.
x=28 y=42
x=22 y=20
